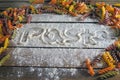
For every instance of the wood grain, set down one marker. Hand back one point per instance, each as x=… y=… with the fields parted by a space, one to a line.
x=36 y=18
x=46 y=57
x=37 y=73
x=55 y=57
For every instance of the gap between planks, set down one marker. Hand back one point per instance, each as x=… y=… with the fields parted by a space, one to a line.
x=47 y=67
x=61 y=58
x=54 y=47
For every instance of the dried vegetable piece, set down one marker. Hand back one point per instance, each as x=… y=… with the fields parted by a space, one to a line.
x=111 y=47
x=108 y=58
x=53 y=2
x=6 y=43
x=71 y=7
x=118 y=65
x=90 y=68
x=102 y=71
x=4 y=59
x=108 y=75
x=108 y=14
x=117 y=5
x=113 y=54
x=36 y=1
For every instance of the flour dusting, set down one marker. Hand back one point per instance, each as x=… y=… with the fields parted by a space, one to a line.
x=52 y=57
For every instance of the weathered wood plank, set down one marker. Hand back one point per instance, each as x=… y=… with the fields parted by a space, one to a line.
x=15 y=4
x=59 y=18
x=51 y=57
x=36 y=73
x=78 y=35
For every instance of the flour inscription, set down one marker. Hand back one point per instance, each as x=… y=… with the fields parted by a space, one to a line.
x=64 y=35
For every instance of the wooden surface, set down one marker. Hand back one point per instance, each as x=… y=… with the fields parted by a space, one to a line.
x=36 y=73
x=51 y=59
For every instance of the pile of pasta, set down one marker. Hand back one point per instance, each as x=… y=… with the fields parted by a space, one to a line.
x=12 y=18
